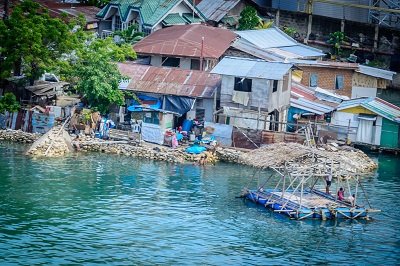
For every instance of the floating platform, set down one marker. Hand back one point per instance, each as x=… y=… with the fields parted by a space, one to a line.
x=308 y=204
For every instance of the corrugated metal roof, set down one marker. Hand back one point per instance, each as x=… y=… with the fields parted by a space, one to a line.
x=250 y=48
x=329 y=96
x=170 y=81
x=267 y=38
x=215 y=10
x=186 y=41
x=374 y=104
x=151 y=11
x=304 y=98
x=275 y=40
x=376 y=72
x=174 y=19
x=192 y=19
x=303 y=50
x=251 y=68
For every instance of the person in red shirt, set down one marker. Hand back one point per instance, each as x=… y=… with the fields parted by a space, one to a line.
x=340 y=194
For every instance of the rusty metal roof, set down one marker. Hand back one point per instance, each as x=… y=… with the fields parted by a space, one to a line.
x=45 y=88
x=73 y=10
x=170 y=81
x=186 y=41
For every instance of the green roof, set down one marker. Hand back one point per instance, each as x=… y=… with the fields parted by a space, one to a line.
x=230 y=20
x=191 y=19
x=174 y=19
x=151 y=11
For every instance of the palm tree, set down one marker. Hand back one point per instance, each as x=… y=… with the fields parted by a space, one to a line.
x=263 y=26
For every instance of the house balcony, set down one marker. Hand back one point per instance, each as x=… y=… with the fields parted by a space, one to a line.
x=107 y=33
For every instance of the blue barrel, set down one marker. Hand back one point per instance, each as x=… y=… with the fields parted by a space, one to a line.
x=187 y=125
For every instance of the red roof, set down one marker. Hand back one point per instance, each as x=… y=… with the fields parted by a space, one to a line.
x=170 y=81
x=186 y=41
x=56 y=8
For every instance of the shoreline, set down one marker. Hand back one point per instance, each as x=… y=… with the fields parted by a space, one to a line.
x=360 y=161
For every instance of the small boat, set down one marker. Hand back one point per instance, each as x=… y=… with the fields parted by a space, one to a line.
x=299 y=190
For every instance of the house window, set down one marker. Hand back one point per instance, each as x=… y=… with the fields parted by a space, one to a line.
x=170 y=61
x=200 y=114
x=275 y=86
x=339 y=82
x=285 y=85
x=313 y=80
x=146 y=31
x=117 y=23
x=243 y=84
x=151 y=118
x=199 y=102
x=195 y=64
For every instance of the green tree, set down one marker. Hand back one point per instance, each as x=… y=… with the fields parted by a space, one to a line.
x=248 y=18
x=337 y=39
x=263 y=26
x=32 y=42
x=9 y=103
x=95 y=73
x=130 y=35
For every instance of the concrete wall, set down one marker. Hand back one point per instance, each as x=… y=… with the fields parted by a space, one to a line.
x=362 y=92
x=181 y=8
x=155 y=61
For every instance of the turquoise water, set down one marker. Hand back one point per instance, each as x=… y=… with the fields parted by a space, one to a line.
x=96 y=209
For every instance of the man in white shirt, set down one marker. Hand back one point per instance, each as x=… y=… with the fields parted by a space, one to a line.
x=328 y=182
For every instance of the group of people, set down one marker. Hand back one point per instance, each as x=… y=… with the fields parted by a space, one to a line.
x=340 y=193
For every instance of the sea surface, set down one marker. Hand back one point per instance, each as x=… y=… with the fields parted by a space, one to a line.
x=102 y=209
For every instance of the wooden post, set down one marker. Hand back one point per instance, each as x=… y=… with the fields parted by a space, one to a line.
x=58 y=133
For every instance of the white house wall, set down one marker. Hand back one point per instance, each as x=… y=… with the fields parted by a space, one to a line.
x=357 y=92
x=156 y=61
x=208 y=105
x=111 y=12
x=167 y=121
x=185 y=63
x=133 y=14
x=340 y=121
x=180 y=9
x=378 y=131
x=259 y=93
x=279 y=100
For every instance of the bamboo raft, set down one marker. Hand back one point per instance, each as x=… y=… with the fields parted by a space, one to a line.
x=297 y=196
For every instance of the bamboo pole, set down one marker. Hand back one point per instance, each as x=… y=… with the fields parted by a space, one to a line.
x=58 y=133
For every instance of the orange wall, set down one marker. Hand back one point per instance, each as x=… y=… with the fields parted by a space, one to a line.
x=326 y=78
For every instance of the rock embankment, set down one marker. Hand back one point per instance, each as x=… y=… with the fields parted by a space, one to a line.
x=19 y=136
x=56 y=142
x=275 y=154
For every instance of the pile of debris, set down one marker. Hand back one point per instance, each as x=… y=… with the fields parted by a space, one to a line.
x=277 y=154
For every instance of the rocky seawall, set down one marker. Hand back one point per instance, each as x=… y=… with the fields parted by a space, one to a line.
x=62 y=143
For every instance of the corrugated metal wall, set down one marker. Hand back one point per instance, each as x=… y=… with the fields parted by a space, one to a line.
x=328 y=10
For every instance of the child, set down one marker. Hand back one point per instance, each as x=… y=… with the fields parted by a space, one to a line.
x=340 y=194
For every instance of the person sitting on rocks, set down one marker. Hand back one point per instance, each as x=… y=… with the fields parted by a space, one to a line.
x=76 y=143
